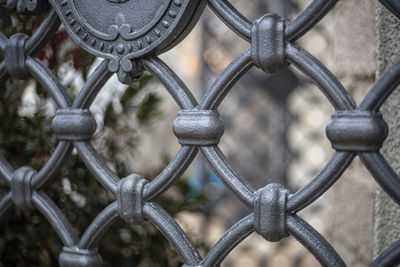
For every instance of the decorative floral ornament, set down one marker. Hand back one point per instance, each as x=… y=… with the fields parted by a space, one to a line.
x=128 y=30
x=27 y=6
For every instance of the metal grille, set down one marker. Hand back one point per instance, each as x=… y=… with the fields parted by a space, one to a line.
x=353 y=131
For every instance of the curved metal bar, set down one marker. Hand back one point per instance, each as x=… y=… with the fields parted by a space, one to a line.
x=327 y=82
x=5 y=204
x=174 y=85
x=229 y=241
x=232 y=180
x=313 y=241
x=3 y=42
x=59 y=156
x=390 y=257
x=92 y=86
x=99 y=226
x=3 y=73
x=6 y=170
x=97 y=166
x=384 y=175
x=382 y=89
x=321 y=182
x=43 y=34
x=175 y=235
x=232 y=18
x=56 y=218
x=307 y=19
x=3 y=70
x=49 y=82
x=171 y=173
x=227 y=79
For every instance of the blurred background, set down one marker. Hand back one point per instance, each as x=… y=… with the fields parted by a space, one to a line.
x=274 y=132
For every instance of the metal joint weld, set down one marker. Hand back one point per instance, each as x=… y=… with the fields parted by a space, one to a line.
x=15 y=56
x=270 y=212
x=357 y=131
x=130 y=198
x=268 y=44
x=198 y=127
x=21 y=188
x=74 y=124
x=75 y=257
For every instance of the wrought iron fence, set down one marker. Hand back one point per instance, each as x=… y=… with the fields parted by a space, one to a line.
x=129 y=44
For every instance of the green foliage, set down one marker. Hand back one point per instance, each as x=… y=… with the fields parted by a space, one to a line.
x=27 y=139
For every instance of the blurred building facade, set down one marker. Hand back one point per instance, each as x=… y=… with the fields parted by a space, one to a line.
x=275 y=131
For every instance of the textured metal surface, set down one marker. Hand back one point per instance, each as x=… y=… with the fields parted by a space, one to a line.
x=393 y=6
x=127 y=48
x=127 y=29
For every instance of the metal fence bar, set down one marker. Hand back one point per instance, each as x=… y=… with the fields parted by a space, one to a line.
x=353 y=130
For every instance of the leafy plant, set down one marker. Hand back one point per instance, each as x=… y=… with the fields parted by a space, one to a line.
x=26 y=139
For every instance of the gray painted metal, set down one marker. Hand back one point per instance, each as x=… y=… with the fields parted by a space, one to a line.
x=128 y=46
x=392 y=5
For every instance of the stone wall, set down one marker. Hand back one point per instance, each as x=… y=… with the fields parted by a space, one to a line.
x=387 y=213
x=356 y=41
x=350 y=207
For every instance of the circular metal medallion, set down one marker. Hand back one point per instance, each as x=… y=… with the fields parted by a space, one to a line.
x=123 y=30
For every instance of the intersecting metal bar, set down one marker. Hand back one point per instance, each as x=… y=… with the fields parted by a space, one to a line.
x=382 y=89
x=393 y=6
x=56 y=218
x=173 y=233
x=314 y=242
x=128 y=50
x=229 y=241
x=231 y=17
x=92 y=86
x=308 y=18
x=390 y=257
x=43 y=34
x=98 y=227
x=227 y=79
x=321 y=183
x=327 y=82
x=55 y=162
